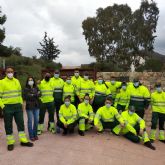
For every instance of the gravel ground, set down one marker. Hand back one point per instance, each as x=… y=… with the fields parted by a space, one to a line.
x=92 y=149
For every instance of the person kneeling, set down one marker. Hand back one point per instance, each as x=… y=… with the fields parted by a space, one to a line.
x=134 y=129
x=108 y=117
x=86 y=115
x=67 y=116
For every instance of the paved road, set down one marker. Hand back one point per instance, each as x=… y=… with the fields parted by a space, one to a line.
x=92 y=149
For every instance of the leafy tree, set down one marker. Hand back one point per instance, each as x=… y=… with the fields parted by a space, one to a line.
x=49 y=50
x=120 y=36
x=2 y=30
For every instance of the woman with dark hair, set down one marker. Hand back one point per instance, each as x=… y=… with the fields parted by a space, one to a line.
x=31 y=97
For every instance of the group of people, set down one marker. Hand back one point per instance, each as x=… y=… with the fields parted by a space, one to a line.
x=80 y=101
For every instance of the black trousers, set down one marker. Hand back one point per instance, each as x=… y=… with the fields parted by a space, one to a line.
x=46 y=107
x=132 y=137
x=109 y=125
x=140 y=113
x=155 y=117
x=70 y=127
x=58 y=104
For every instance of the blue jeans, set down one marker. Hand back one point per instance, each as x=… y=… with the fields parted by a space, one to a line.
x=33 y=117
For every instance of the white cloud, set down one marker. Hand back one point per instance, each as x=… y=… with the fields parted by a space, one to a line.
x=28 y=20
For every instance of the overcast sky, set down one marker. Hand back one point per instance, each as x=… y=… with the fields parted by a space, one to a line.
x=28 y=20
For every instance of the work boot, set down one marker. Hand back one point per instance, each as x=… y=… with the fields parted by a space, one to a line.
x=81 y=133
x=10 y=147
x=64 y=133
x=163 y=141
x=149 y=145
x=151 y=140
x=28 y=144
x=39 y=132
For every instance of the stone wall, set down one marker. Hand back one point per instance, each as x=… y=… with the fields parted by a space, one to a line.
x=146 y=78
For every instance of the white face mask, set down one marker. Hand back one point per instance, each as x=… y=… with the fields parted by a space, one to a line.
x=108 y=105
x=131 y=113
x=124 y=87
x=56 y=75
x=86 y=101
x=67 y=103
x=68 y=81
x=136 y=84
x=31 y=82
x=159 y=89
x=86 y=77
x=76 y=74
x=10 y=75
x=100 y=81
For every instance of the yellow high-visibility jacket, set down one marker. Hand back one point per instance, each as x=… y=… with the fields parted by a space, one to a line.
x=130 y=121
x=68 y=89
x=113 y=87
x=10 y=92
x=46 y=89
x=122 y=98
x=101 y=90
x=76 y=83
x=68 y=115
x=158 y=102
x=86 y=86
x=107 y=115
x=86 y=111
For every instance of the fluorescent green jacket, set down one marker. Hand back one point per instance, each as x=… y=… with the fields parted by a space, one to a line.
x=47 y=89
x=68 y=89
x=158 y=102
x=131 y=121
x=85 y=110
x=10 y=92
x=107 y=115
x=68 y=115
x=122 y=98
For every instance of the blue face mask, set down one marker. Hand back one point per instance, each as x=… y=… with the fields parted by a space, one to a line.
x=100 y=81
x=131 y=113
x=136 y=84
x=108 y=105
x=113 y=82
x=159 y=89
x=86 y=101
x=67 y=103
x=56 y=75
x=124 y=87
x=68 y=81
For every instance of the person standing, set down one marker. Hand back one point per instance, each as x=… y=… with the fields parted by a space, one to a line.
x=69 y=89
x=11 y=103
x=101 y=92
x=58 y=85
x=158 y=113
x=86 y=86
x=122 y=98
x=76 y=80
x=47 y=103
x=139 y=97
x=31 y=97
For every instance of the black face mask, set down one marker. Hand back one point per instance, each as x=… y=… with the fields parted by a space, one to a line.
x=47 y=78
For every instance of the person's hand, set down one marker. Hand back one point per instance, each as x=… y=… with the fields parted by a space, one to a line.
x=65 y=125
x=122 y=125
x=89 y=121
x=91 y=101
x=141 y=132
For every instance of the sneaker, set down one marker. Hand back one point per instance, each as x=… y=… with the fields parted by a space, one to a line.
x=39 y=132
x=100 y=132
x=149 y=145
x=163 y=141
x=32 y=139
x=81 y=133
x=58 y=129
x=151 y=140
x=64 y=133
x=10 y=147
x=28 y=144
